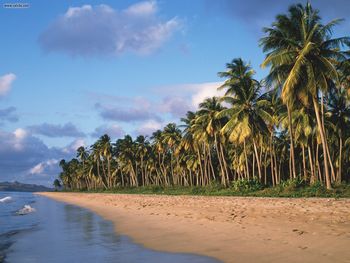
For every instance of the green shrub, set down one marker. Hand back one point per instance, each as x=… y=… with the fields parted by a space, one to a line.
x=293 y=184
x=246 y=185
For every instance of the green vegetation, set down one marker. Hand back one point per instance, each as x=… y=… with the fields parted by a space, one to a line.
x=285 y=135
x=290 y=188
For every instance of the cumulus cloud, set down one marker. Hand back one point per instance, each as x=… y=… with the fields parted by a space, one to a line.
x=6 y=83
x=43 y=168
x=138 y=112
x=142 y=9
x=8 y=114
x=183 y=97
x=20 y=156
x=101 y=30
x=73 y=146
x=203 y=91
x=56 y=130
x=177 y=106
x=169 y=103
x=114 y=131
x=37 y=169
x=148 y=127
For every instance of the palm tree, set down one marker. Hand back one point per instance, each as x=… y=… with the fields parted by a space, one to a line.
x=142 y=149
x=302 y=124
x=106 y=153
x=126 y=153
x=96 y=150
x=302 y=56
x=57 y=184
x=82 y=154
x=339 y=115
x=171 y=138
x=207 y=117
x=248 y=111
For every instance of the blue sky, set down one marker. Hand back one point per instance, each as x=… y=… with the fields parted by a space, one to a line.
x=73 y=70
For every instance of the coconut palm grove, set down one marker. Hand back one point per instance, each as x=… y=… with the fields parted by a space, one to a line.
x=291 y=126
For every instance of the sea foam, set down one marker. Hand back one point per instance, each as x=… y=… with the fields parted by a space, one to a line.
x=25 y=210
x=6 y=199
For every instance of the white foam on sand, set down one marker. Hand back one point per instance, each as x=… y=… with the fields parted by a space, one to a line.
x=25 y=210
x=6 y=199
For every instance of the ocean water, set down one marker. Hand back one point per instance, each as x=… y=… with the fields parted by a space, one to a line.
x=37 y=229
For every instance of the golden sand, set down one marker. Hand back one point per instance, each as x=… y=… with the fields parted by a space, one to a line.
x=231 y=229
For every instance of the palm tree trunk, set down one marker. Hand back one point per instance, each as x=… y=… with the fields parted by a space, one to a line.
x=292 y=157
x=327 y=147
x=304 y=162
x=265 y=169
x=223 y=181
x=312 y=177
x=330 y=162
x=109 y=170
x=253 y=165
x=200 y=167
x=257 y=159
x=99 y=175
x=324 y=143
x=339 y=177
x=225 y=163
x=211 y=163
x=272 y=168
x=246 y=158
x=277 y=179
x=317 y=165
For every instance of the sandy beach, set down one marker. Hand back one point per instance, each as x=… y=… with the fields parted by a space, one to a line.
x=231 y=229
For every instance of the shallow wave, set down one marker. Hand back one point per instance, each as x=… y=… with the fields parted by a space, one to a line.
x=6 y=199
x=27 y=209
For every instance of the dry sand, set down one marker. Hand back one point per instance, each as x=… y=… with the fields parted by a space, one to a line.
x=231 y=229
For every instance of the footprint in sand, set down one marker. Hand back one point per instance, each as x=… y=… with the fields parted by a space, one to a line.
x=299 y=232
x=303 y=248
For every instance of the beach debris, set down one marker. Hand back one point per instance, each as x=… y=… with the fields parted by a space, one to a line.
x=25 y=210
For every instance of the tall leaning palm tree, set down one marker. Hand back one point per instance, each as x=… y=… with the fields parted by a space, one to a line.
x=303 y=56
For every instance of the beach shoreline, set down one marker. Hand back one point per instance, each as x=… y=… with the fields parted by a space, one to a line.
x=231 y=229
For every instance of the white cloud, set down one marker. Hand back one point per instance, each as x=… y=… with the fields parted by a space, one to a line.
x=20 y=133
x=188 y=95
x=205 y=90
x=177 y=106
x=148 y=127
x=51 y=162
x=5 y=83
x=142 y=9
x=76 y=11
x=21 y=153
x=73 y=146
x=101 y=30
x=19 y=136
x=40 y=168
x=37 y=169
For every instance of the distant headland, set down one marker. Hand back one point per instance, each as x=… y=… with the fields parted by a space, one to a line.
x=20 y=187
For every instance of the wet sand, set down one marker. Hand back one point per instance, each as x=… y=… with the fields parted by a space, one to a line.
x=231 y=229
